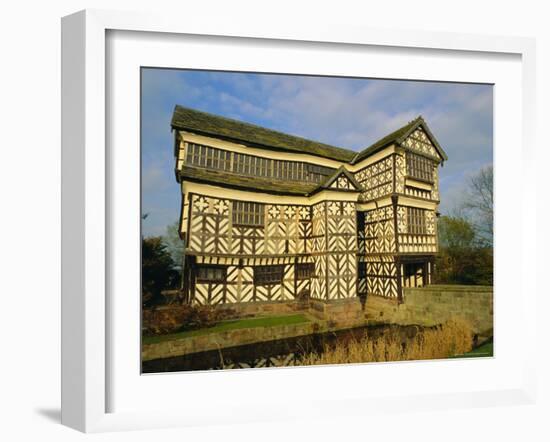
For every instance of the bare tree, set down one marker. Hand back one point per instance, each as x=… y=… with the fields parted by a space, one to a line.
x=479 y=202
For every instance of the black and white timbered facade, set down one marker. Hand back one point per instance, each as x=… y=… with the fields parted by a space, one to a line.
x=267 y=216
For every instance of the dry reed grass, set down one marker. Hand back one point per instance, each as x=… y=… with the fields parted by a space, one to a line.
x=454 y=337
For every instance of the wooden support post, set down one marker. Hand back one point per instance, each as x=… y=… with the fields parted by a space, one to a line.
x=192 y=280
x=426 y=278
x=399 y=282
x=397 y=261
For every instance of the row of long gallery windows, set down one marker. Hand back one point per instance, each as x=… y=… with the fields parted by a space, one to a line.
x=250 y=165
x=263 y=275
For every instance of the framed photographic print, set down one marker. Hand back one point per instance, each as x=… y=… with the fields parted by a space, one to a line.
x=250 y=213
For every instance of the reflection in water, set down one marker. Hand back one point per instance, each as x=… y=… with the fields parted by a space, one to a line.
x=279 y=353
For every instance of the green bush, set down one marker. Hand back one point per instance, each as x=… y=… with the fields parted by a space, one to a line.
x=471 y=266
x=157 y=271
x=463 y=258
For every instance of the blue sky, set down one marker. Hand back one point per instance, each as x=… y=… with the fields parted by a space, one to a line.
x=345 y=112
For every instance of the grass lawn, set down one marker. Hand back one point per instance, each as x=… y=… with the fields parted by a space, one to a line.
x=483 y=350
x=268 y=321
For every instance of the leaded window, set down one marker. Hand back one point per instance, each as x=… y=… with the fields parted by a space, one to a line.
x=416 y=221
x=211 y=274
x=221 y=159
x=250 y=165
x=194 y=156
x=241 y=163
x=420 y=167
x=261 y=167
x=304 y=270
x=209 y=157
x=248 y=214
x=317 y=173
x=268 y=275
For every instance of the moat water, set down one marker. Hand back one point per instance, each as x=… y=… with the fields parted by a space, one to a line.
x=278 y=353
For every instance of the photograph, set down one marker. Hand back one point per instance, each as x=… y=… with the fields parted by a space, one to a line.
x=302 y=220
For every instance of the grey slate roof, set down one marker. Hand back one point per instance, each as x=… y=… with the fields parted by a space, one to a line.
x=204 y=123
x=249 y=183
x=209 y=124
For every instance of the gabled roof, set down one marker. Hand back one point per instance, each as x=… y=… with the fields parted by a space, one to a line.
x=208 y=124
x=397 y=137
x=243 y=182
x=337 y=174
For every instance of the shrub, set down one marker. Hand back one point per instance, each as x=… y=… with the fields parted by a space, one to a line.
x=181 y=318
x=464 y=257
x=157 y=271
x=472 y=266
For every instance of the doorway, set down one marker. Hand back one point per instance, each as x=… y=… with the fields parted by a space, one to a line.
x=415 y=274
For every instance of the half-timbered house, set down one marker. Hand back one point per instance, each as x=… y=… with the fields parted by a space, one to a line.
x=267 y=216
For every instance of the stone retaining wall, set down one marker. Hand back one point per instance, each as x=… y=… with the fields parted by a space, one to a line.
x=220 y=340
x=341 y=313
x=434 y=304
x=424 y=306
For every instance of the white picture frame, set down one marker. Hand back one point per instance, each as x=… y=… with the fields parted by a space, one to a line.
x=87 y=210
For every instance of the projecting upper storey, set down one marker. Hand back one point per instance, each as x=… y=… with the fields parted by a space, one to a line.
x=214 y=149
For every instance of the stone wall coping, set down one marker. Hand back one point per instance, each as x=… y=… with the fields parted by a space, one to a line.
x=244 y=336
x=451 y=288
x=220 y=340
